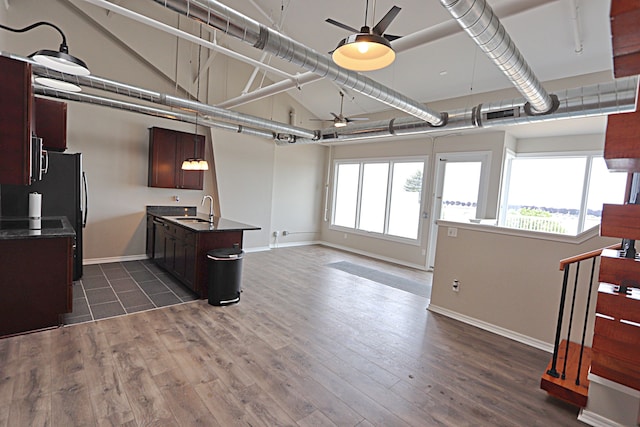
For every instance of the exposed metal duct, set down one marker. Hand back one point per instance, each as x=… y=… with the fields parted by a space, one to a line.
x=478 y=20
x=618 y=96
x=150 y=111
x=233 y=23
x=112 y=86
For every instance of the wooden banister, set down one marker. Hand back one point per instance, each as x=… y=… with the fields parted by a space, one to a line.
x=587 y=255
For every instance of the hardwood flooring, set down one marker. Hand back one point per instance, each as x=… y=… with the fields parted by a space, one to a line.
x=307 y=345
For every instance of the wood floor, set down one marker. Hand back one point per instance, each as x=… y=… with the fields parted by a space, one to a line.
x=308 y=345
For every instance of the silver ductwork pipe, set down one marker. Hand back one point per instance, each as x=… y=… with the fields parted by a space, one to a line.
x=112 y=86
x=233 y=23
x=615 y=97
x=478 y=20
x=150 y=111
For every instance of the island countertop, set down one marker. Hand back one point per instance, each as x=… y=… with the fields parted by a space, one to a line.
x=189 y=218
x=200 y=223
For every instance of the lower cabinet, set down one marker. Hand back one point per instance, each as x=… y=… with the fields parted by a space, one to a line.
x=35 y=298
x=183 y=253
x=175 y=251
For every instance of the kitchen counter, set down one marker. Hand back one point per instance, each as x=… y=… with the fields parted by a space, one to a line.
x=50 y=227
x=178 y=239
x=200 y=223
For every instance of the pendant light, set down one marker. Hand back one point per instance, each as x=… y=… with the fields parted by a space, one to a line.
x=367 y=50
x=196 y=163
x=59 y=60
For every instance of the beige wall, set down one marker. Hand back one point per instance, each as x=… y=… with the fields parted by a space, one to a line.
x=510 y=281
x=114 y=143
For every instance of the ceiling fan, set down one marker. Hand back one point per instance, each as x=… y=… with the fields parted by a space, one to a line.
x=339 y=120
x=378 y=29
x=367 y=49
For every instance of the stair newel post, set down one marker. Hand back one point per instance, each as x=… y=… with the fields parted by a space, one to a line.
x=586 y=316
x=553 y=371
x=573 y=304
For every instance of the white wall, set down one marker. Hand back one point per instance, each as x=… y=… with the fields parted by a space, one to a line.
x=114 y=143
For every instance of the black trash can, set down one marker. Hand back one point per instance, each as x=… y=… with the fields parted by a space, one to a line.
x=225 y=275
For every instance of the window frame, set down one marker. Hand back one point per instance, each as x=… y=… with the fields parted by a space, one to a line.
x=589 y=156
x=391 y=161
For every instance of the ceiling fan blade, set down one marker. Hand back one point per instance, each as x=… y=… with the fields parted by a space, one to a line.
x=341 y=25
x=390 y=37
x=337 y=116
x=320 y=120
x=382 y=25
x=355 y=119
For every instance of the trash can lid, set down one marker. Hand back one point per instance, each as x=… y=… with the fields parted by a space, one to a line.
x=225 y=253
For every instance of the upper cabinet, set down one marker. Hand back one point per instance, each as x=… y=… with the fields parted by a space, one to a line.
x=16 y=111
x=51 y=123
x=167 y=150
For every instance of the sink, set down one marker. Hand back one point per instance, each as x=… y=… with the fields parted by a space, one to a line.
x=191 y=220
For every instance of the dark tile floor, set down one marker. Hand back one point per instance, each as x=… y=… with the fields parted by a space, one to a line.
x=114 y=289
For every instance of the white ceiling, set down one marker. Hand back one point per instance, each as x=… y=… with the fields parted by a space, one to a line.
x=448 y=67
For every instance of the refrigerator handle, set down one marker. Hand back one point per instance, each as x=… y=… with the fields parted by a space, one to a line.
x=86 y=198
x=45 y=161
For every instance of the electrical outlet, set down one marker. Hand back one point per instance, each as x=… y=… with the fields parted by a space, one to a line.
x=452 y=232
x=455 y=286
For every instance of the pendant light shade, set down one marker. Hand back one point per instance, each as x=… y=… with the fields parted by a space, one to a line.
x=363 y=51
x=195 y=165
x=59 y=60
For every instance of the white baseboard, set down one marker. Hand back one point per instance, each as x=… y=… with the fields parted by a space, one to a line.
x=595 y=420
x=257 y=249
x=375 y=256
x=524 y=339
x=124 y=258
x=294 y=244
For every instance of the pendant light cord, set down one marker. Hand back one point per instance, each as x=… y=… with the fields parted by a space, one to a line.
x=366 y=13
x=195 y=137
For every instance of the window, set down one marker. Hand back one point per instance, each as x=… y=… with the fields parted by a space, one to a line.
x=558 y=194
x=379 y=196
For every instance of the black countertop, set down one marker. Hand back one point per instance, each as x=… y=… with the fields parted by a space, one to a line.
x=26 y=228
x=189 y=219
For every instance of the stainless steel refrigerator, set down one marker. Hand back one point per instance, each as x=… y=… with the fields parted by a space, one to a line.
x=64 y=193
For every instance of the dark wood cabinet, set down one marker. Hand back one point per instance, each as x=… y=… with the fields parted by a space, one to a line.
x=625 y=37
x=167 y=150
x=183 y=252
x=51 y=123
x=35 y=298
x=16 y=122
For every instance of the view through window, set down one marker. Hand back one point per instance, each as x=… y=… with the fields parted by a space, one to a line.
x=383 y=196
x=559 y=194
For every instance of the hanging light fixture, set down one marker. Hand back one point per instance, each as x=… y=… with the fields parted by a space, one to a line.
x=196 y=163
x=59 y=60
x=367 y=50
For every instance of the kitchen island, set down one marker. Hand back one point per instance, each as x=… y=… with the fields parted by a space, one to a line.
x=178 y=240
x=36 y=267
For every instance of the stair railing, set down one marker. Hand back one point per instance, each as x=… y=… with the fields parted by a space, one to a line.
x=565 y=266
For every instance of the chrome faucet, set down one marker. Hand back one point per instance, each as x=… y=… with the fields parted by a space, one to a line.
x=210 y=206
